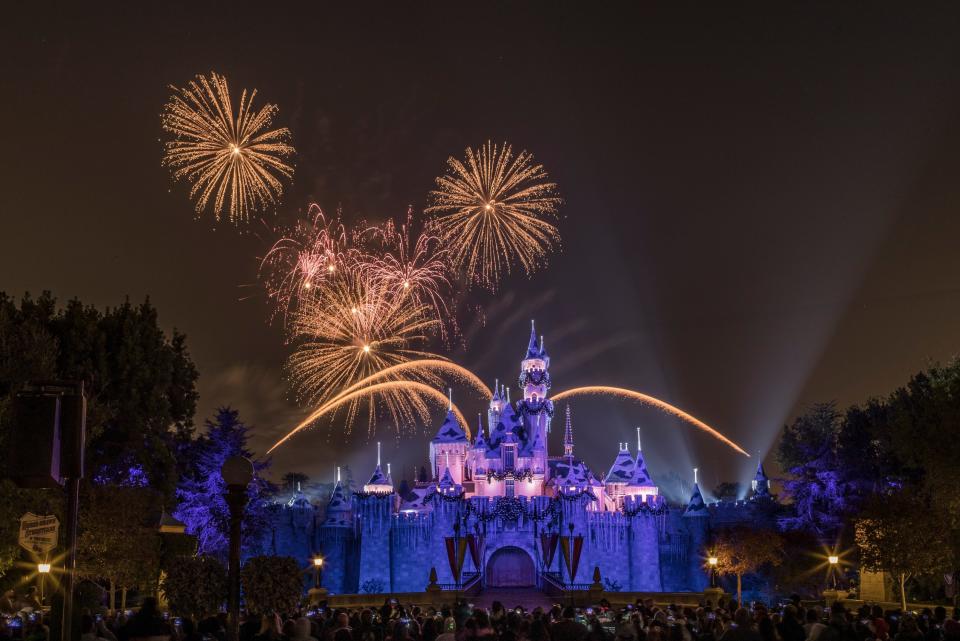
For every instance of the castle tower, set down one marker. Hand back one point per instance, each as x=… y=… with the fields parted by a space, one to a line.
x=568 y=436
x=620 y=475
x=379 y=482
x=535 y=410
x=336 y=542
x=760 y=483
x=449 y=449
x=696 y=519
x=640 y=483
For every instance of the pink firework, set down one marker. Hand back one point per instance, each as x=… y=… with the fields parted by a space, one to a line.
x=312 y=252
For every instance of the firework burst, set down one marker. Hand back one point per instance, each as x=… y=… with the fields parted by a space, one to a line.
x=310 y=254
x=235 y=160
x=351 y=329
x=412 y=265
x=492 y=210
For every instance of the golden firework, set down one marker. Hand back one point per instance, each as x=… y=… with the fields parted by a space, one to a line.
x=492 y=209
x=354 y=328
x=236 y=160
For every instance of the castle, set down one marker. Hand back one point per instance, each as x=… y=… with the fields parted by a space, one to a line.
x=507 y=513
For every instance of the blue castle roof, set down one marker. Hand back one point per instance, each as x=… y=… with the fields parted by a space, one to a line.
x=696 y=506
x=622 y=469
x=450 y=430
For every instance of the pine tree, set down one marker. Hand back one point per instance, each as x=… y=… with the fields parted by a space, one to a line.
x=203 y=507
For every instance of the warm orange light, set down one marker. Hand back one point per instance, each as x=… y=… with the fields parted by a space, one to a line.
x=43 y=568
x=318 y=562
x=833 y=559
x=712 y=561
x=366 y=349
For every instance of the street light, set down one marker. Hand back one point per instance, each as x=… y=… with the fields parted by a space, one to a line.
x=237 y=472
x=43 y=569
x=712 y=562
x=317 y=570
x=833 y=560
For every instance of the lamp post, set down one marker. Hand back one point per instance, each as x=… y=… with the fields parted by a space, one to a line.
x=317 y=571
x=43 y=569
x=237 y=472
x=712 y=562
x=833 y=560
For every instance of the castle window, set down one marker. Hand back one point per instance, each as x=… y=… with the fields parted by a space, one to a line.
x=510 y=489
x=509 y=458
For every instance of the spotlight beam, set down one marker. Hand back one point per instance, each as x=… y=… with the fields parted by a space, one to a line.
x=649 y=400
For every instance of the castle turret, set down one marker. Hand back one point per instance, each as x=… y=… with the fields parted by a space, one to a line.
x=696 y=520
x=760 y=483
x=379 y=482
x=640 y=483
x=568 y=436
x=620 y=475
x=336 y=542
x=449 y=447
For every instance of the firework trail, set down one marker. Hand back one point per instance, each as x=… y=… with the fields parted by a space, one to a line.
x=314 y=251
x=353 y=328
x=235 y=159
x=412 y=264
x=462 y=373
x=411 y=389
x=490 y=210
x=649 y=400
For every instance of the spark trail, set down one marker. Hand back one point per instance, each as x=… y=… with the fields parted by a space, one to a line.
x=649 y=400
x=463 y=373
x=389 y=386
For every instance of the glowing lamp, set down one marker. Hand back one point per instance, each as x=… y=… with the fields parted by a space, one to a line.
x=712 y=561
x=366 y=348
x=833 y=559
x=318 y=562
x=43 y=568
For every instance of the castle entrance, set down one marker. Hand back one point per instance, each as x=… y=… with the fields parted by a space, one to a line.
x=511 y=567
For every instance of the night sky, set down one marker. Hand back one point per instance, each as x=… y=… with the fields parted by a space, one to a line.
x=760 y=201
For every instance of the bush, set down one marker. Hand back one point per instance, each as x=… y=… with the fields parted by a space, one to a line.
x=272 y=584
x=372 y=586
x=195 y=586
x=612 y=586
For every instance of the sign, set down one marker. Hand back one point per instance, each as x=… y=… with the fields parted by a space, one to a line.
x=39 y=533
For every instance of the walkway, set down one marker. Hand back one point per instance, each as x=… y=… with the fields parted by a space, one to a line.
x=529 y=598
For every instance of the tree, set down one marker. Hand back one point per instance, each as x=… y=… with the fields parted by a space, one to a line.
x=728 y=491
x=118 y=538
x=195 y=586
x=822 y=485
x=899 y=533
x=294 y=480
x=203 y=507
x=272 y=584
x=743 y=550
x=140 y=384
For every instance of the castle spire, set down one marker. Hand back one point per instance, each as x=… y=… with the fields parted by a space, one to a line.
x=568 y=436
x=533 y=350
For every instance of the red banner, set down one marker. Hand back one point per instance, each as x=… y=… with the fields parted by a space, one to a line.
x=475 y=541
x=571 y=558
x=577 y=548
x=548 y=546
x=456 y=551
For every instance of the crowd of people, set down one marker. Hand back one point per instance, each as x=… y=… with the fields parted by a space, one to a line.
x=641 y=621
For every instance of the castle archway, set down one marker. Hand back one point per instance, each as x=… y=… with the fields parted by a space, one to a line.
x=511 y=567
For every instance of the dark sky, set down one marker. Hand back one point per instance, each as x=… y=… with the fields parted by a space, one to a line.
x=761 y=200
